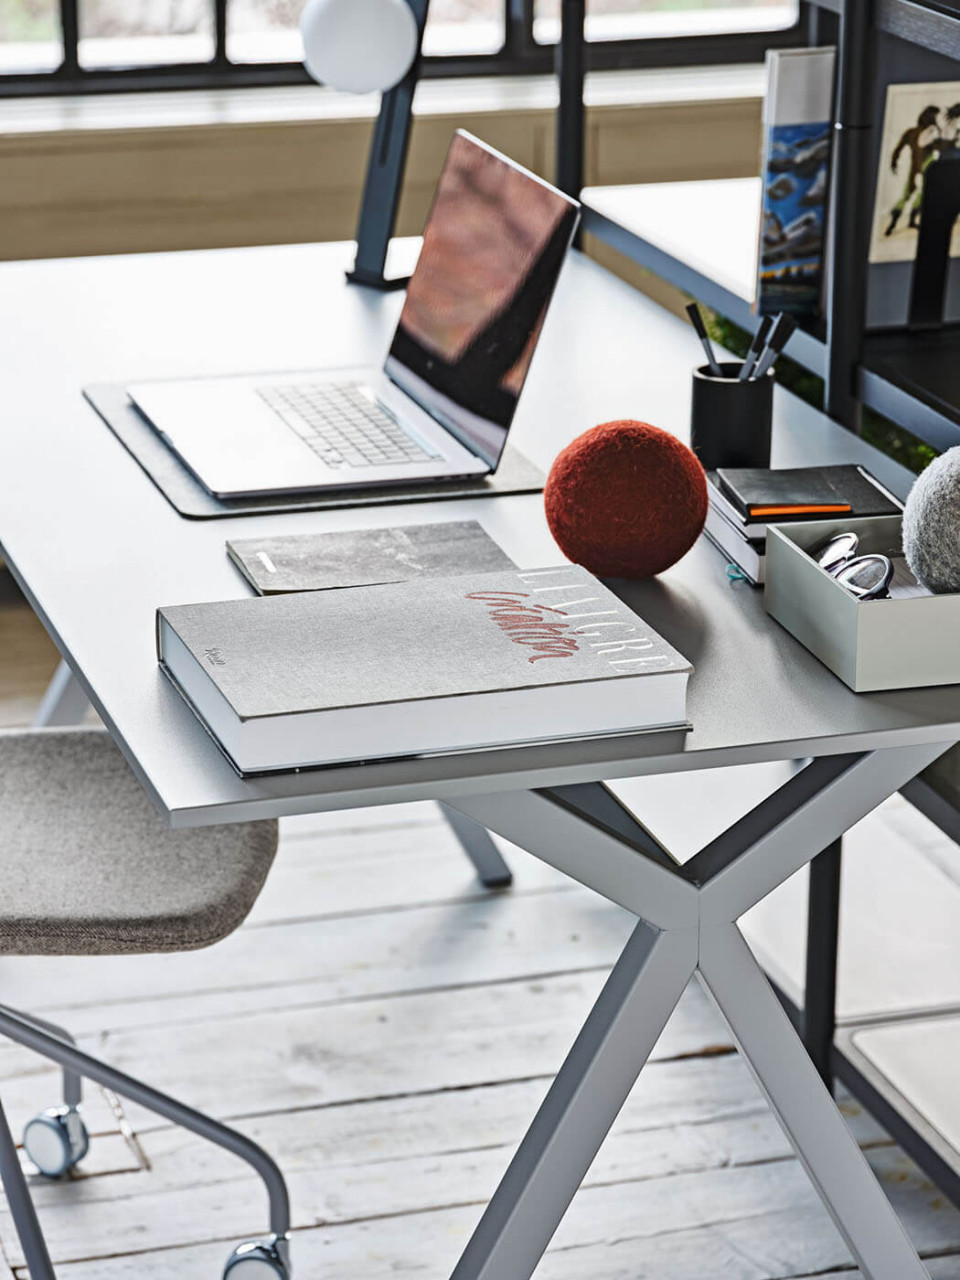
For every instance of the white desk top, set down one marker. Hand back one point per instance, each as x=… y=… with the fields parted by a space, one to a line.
x=98 y=548
x=713 y=226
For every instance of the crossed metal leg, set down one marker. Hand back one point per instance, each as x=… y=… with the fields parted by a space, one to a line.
x=688 y=916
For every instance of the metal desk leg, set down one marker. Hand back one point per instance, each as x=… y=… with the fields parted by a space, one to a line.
x=64 y=702
x=819 y=1019
x=806 y=1111
x=688 y=915
x=585 y=1099
x=479 y=848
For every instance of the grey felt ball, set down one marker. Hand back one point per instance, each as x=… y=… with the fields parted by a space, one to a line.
x=931 y=525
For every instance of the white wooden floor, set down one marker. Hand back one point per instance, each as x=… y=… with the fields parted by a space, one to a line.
x=387 y=1030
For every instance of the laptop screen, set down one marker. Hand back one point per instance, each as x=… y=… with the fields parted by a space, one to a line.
x=493 y=247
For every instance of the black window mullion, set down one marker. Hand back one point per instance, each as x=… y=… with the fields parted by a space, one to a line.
x=518 y=27
x=220 y=32
x=70 y=27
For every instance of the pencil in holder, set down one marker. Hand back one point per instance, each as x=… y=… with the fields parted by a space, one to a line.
x=731 y=420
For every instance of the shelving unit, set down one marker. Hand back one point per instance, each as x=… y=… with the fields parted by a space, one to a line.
x=894 y=1064
x=911 y=379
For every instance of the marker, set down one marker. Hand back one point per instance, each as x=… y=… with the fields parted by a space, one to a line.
x=696 y=319
x=782 y=330
x=756 y=346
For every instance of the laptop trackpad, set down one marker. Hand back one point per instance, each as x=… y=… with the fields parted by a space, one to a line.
x=226 y=434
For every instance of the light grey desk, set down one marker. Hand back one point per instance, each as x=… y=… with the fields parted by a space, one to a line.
x=97 y=548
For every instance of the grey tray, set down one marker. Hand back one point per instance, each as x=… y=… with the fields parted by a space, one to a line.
x=872 y=644
x=514 y=475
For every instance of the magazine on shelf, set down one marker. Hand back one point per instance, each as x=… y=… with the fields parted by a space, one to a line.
x=797 y=136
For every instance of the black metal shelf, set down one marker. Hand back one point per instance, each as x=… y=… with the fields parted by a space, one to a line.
x=935 y=27
x=929 y=25
x=913 y=378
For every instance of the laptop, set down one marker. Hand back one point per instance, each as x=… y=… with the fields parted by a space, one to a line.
x=443 y=402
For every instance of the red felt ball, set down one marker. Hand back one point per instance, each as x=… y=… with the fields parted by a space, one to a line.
x=626 y=500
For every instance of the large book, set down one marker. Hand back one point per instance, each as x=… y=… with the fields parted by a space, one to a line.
x=797 y=135
x=364 y=557
x=404 y=669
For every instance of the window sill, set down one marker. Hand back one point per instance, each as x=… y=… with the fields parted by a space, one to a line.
x=292 y=104
x=202 y=169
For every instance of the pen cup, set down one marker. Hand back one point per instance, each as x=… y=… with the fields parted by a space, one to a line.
x=730 y=420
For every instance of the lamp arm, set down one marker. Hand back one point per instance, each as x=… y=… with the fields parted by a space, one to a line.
x=571 y=59
x=385 y=170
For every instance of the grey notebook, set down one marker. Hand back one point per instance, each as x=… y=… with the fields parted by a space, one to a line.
x=365 y=557
x=433 y=665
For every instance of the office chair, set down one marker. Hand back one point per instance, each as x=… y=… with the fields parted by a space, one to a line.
x=87 y=868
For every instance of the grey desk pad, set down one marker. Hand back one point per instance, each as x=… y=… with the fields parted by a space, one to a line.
x=514 y=475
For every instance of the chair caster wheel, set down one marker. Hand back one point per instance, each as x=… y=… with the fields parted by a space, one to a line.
x=260 y=1260
x=56 y=1140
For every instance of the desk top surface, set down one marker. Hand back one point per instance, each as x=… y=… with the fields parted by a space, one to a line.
x=712 y=225
x=98 y=548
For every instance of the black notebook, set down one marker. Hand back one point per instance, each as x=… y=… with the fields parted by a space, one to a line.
x=762 y=495
x=408 y=668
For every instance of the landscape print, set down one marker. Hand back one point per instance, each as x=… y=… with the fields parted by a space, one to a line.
x=793 y=218
x=921 y=124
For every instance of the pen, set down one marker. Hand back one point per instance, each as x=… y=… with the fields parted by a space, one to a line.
x=756 y=346
x=696 y=319
x=778 y=339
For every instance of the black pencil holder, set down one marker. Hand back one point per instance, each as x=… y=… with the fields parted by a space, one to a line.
x=730 y=420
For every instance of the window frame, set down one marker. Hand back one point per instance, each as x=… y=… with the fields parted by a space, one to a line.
x=520 y=54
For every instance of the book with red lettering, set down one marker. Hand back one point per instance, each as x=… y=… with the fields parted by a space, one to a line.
x=430 y=666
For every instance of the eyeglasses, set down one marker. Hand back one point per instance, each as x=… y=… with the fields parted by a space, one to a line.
x=867 y=577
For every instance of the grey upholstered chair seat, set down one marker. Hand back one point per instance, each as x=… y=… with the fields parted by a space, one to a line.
x=87 y=866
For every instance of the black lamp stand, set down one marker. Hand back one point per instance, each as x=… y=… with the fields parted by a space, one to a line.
x=385 y=169
x=391 y=140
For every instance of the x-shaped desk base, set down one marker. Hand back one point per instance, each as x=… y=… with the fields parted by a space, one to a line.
x=688 y=925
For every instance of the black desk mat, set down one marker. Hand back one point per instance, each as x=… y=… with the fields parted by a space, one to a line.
x=514 y=475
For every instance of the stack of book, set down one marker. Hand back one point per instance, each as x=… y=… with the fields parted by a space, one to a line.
x=412 y=660
x=743 y=501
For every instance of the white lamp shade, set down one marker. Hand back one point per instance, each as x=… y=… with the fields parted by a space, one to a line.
x=359 y=46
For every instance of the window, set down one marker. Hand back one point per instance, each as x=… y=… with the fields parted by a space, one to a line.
x=266 y=30
x=650 y=19
x=49 y=46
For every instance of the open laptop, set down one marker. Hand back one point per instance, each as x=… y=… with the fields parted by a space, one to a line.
x=442 y=404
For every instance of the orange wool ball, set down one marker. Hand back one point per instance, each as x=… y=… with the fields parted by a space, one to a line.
x=626 y=500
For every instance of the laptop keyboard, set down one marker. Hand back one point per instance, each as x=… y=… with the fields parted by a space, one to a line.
x=342 y=426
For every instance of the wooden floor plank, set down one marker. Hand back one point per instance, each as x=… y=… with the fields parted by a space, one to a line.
x=413 y=861
x=759 y=1223
x=208 y=1194
x=413 y=1044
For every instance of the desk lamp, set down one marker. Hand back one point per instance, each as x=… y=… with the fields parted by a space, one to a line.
x=367 y=46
